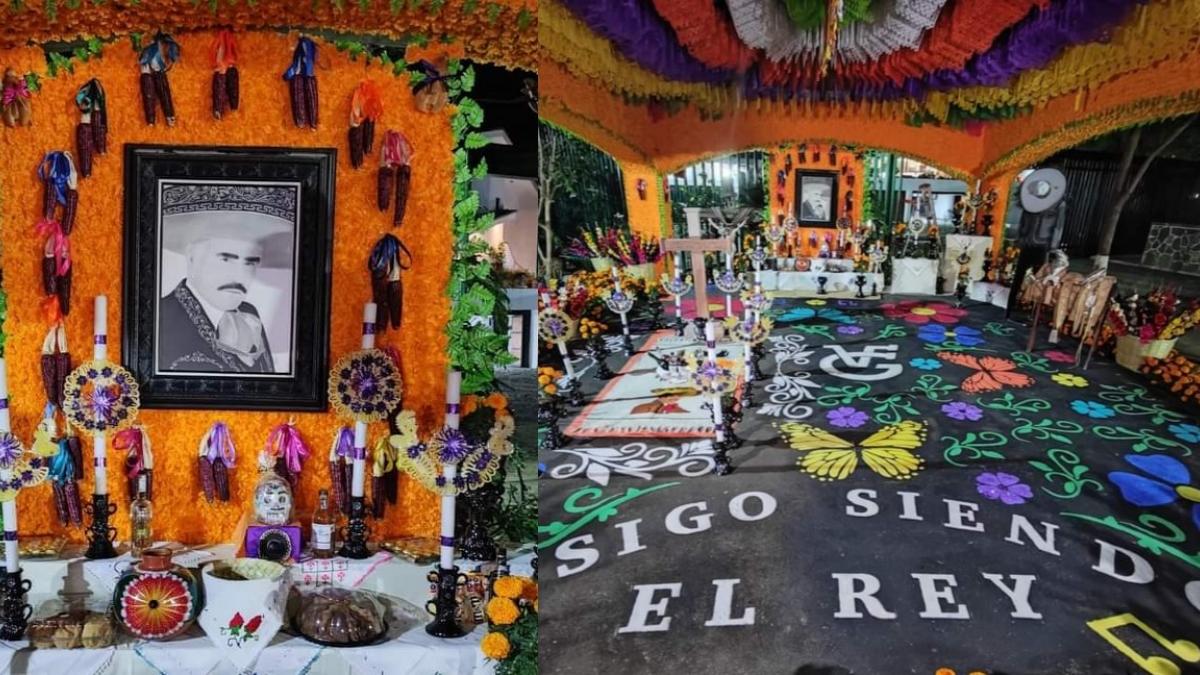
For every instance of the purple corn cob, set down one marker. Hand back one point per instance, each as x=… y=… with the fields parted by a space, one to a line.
x=49 y=376
x=146 y=85
x=337 y=482
x=395 y=305
x=162 y=88
x=76 y=449
x=356 y=146
x=403 y=172
x=206 y=479
x=60 y=503
x=296 y=96
x=100 y=131
x=74 y=507
x=83 y=148
x=231 y=87
x=220 y=476
x=310 y=98
x=219 y=95
x=393 y=485
x=387 y=177
x=368 y=135
x=378 y=503
x=49 y=274
x=62 y=368
x=69 y=211
x=49 y=201
x=62 y=287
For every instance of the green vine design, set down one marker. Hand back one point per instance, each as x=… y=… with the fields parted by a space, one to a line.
x=998 y=328
x=954 y=346
x=590 y=505
x=843 y=395
x=475 y=347
x=1144 y=440
x=1046 y=430
x=891 y=331
x=1040 y=364
x=888 y=408
x=1133 y=401
x=932 y=388
x=974 y=446
x=1145 y=535
x=1067 y=468
x=806 y=329
x=1016 y=407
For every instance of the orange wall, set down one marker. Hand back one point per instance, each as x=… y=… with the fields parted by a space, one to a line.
x=181 y=513
x=851 y=180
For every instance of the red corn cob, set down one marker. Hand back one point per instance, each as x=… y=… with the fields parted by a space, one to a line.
x=395 y=304
x=337 y=482
x=206 y=479
x=69 y=211
x=76 y=449
x=296 y=96
x=387 y=177
x=310 y=98
x=49 y=377
x=393 y=486
x=60 y=503
x=100 y=131
x=83 y=148
x=49 y=201
x=403 y=172
x=49 y=274
x=146 y=85
x=377 y=496
x=231 y=87
x=62 y=368
x=220 y=474
x=356 y=146
x=368 y=135
x=62 y=287
x=74 y=508
x=219 y=95
x=162 y=88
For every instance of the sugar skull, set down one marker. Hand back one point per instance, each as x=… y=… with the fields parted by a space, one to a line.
x=272 y=500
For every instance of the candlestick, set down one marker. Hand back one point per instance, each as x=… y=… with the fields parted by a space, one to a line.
x=100 y=534
x=356 y=531
x=11 y=561
x=728 y=262
x=678 y=266
x=445 y=623
x=453 y=397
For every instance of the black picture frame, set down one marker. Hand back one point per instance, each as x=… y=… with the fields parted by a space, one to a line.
x=525 y=322
x=805 y=216
x=313 y=170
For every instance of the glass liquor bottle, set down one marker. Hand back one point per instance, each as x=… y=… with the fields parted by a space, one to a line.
x=140 y=514
x=323 y=521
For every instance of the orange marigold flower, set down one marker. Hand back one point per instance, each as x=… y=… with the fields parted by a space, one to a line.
x=495 y=646
x=502 y=611
x=509 y=587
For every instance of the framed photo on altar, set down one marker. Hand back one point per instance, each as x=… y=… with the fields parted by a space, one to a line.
x=226 y=293
x=816 y=198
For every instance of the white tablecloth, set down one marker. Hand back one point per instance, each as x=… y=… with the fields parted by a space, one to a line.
x=914 y=276
x=977 y=248
x=837 y=283
x=983 y=291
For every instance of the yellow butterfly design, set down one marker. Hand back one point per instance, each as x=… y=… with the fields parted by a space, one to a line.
x=887 y=452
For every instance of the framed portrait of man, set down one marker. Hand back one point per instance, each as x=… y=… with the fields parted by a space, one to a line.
x=816 y=198
x=227 y=258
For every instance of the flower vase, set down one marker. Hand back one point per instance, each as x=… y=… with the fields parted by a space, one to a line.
x=157 y=599
x=643 y=271
x=601 y=264
x=245 y=609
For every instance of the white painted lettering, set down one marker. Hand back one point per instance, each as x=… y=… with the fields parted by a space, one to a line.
x=737 y=506
x=1142 y=572
x=723 y=606
x=908 y=503
x=699 y=523
x=1191 y=591
x=1018 y=593
x=629 y=537
x=646 y=608
x=849 y=597
x=934 y=597
x=1043 y=542
x=863 y=498
x=961 y=516
x=567 y=552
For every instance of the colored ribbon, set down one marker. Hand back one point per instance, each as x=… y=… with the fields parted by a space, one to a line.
x=389 y=255
x=58 y=169
x=303 y=59
x=219 y=445
x=160 y=54
x=395 y=150
x=431 y=75
x=15 y=90
x=90 y=97
x=285 y=441
x=343 y=444
x=133 y=440
x=62 y=466
x=366 y=103
x=224 y=51
x=385 y=457
x=58 y=243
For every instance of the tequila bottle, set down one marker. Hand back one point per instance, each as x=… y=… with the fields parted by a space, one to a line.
x=139 y=516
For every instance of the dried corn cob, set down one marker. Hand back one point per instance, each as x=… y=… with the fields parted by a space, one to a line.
x=162 y=89
x=232 y=86
x=311 y=100
x=84 y=145
x=402 y=176
x=99 y=128
x=74 y=507
x=207 y=483
x=62 y=289
x=368 y=126
x=337 y=482
x=69 y=210
x=149 y=97
x=220 y=97
x=76 y=449
x=49 y=199
x=378 y=498
x=224 y=60
x=60 y=503
x=385 y=182
x=393 y=485
x=49 y=269
x=355 y=141
x=296 y=96
x=220 y=476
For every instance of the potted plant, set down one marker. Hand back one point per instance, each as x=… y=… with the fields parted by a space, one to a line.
x=594 y=245
x=637 y=254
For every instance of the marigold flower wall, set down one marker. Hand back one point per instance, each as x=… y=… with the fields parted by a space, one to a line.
x=264 y=119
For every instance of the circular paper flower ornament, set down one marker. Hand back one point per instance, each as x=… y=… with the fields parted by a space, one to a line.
x=555 y=326
x=758 y=255
x=757 y=301
x=365 y=386
x=774 y=233
x=728 y=282
x=100 y=396
x=711 y=377
x=753 y=332
x=477 y=463
x=790 y=224
x=619 y=301
x=676 y=286
x=18 y=469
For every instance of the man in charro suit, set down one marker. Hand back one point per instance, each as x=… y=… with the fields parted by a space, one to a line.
x=205 y=323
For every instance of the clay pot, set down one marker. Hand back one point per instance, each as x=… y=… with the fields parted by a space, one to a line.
x=157 y=599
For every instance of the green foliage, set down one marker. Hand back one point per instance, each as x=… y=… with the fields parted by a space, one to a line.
x=478 y=324
x=493 y=12
x=523 y=637
x=3 y=317
x=585 y=185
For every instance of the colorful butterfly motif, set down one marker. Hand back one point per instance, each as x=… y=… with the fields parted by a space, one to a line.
x=994 y=373
x=887 y=452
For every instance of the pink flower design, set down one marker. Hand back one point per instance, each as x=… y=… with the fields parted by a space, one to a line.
x=1059 y=356
x=920 y=313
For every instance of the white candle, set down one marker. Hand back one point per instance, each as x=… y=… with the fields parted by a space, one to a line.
x=450 y=471
x=546 y=300
x=100 y=353
x=710 y=340
x=728 y=262
x=360 y=459
x=567 y=365
x=678 y=266
x=616 y=280
x=369 y=313
x=11 y=561
x=453 y=397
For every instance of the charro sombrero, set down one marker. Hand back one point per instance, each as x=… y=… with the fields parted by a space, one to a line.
x=263 y=214
x=1042 y=189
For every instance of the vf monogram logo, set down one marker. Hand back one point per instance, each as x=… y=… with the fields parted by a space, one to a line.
x=862 y=365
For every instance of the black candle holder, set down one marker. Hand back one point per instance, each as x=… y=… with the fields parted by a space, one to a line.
x=354 y=535
x=445 y=605
x=549 y=413
x=656 y=314
x=721 y=465
x=860 y=281
x=700 y=322
x=757 y=352
x=732 y=413
x=476 y=542
x=575 y=393
x=14 y=610
x=100 y=534
x=747 y=400
x=600 y=356
x=821 y=281
x=627 y=343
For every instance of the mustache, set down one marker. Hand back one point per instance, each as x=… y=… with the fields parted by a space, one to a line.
x=233 y=286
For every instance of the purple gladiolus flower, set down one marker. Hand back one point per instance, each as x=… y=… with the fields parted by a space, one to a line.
x=1003 y=487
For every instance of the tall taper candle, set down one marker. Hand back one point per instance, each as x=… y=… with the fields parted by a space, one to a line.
x=450 y=471
x=453 y=397
x=100 y=353
x=678 y=265
x=11 y=562
x=358 y=466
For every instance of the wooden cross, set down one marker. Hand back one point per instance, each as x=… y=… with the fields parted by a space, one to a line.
x=697 y=247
